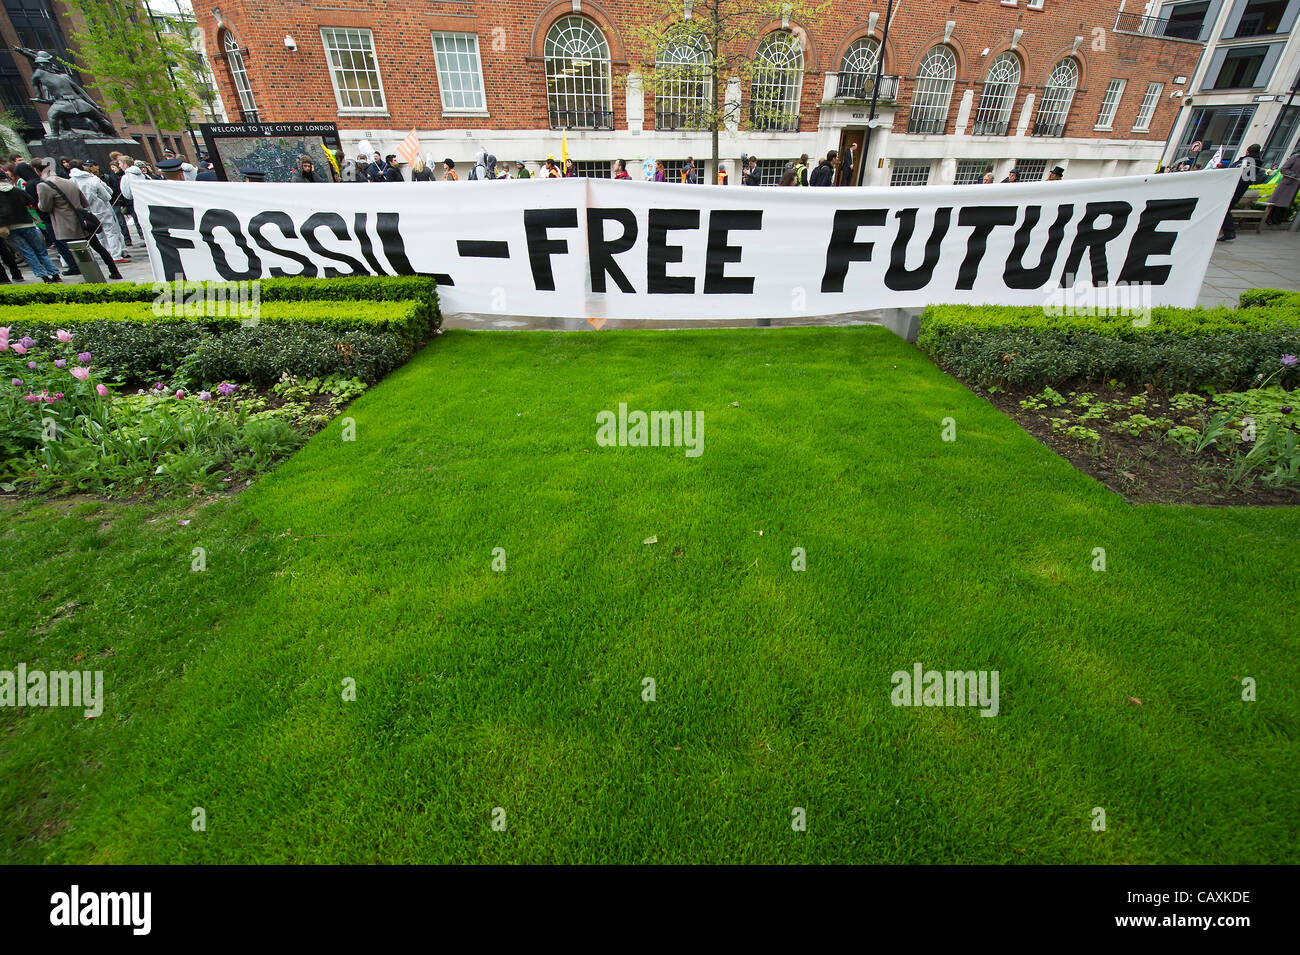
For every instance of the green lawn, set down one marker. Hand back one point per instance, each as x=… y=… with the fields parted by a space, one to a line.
x=522 y=689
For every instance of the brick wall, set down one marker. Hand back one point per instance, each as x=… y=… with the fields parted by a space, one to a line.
x=295 y=86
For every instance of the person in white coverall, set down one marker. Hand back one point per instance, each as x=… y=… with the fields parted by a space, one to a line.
x=99 y=199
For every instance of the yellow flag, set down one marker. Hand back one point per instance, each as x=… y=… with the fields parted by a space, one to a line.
x=564 y=150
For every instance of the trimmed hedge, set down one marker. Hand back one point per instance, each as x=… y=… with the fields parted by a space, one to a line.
x=308 y=338
x=404 y=318
x=1256 y=297
x=420 y=289
x=1180 y=348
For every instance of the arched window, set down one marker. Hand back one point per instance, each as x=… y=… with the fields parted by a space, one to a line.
x=858 y=69
x=577 y=75
x=776 y=83
x=933 y=91
x=683 y=83
x=999 y=95
x=239 y=77
x=1057 y=96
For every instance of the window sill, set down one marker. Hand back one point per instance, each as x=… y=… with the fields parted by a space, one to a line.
x=362 y=111
x=466 y=112
x=1140 y=129
x=1103 y=129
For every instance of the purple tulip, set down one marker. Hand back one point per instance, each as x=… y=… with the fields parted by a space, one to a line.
x=84 y=358
x=1289 y=360
x=180 y=393
x=18 y=382
x=226 y=389
x=205 y=396
x=27 y=341
x=1285 y=409
x=60 y=363
x=158 y=386
x=31 y=365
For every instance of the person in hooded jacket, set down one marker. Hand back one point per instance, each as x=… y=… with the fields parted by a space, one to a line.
x=99 y=199
x=304 y=170
x=484 y=166
x=61 y=199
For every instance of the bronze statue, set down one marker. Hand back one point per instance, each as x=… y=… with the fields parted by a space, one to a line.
x=66 y=99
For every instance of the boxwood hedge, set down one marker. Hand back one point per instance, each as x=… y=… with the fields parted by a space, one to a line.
x=365 y=339
x=1178 y=349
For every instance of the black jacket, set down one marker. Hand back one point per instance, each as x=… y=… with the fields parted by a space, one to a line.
x=823 y=175
x=14 y=207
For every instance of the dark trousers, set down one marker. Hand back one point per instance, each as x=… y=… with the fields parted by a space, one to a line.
x=10 y=258
x=1229 y=223
x=95 y=246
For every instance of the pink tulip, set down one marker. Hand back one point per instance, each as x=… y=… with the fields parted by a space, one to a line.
x=4 y=344
x=4 y=332
x=103 y=390
x=180 y=393
x=18 y=348
x=79 y=373
x=63 y=336
x=30 y=398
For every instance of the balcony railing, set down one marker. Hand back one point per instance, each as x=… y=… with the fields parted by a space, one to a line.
x=1049 y=128
x=582 y=119
x=670 y=120
x=990 y=127
x=926 y=124
x=1158 y=26
x=862 y=85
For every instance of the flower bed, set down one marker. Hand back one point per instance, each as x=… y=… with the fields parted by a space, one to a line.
x=217 y=393
x=1196 y=406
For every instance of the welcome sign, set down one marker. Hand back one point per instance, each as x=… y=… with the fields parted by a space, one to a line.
x=594 y=248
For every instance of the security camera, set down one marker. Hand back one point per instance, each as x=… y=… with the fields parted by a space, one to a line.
x=985 y=52
x=290 y=43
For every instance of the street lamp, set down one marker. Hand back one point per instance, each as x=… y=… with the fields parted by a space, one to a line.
x=875 y=94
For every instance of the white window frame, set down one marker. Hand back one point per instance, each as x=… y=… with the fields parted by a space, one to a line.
x=481 y=109
x=1147 y=109
x=905 y=169
x=1033 y=4
x=1109 y=105
x=382 y=109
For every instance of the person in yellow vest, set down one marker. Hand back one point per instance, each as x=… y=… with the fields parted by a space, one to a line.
x=801 y=171
x=688 y=172
x=722 y=175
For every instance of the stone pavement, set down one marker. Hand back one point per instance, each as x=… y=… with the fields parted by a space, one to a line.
x=1271 y=260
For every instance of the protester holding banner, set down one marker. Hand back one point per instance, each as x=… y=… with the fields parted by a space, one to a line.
x=1249 y=165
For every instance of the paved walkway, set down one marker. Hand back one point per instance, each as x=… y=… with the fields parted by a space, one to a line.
x=1271 y=260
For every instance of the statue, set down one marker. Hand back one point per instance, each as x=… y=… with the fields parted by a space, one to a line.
x=67 y=100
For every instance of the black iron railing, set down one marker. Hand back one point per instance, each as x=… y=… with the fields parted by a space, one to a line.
x=582 y=119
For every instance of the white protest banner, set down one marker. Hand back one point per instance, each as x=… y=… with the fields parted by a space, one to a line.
x=596 y=248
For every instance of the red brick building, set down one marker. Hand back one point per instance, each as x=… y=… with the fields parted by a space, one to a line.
x=967 y=85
